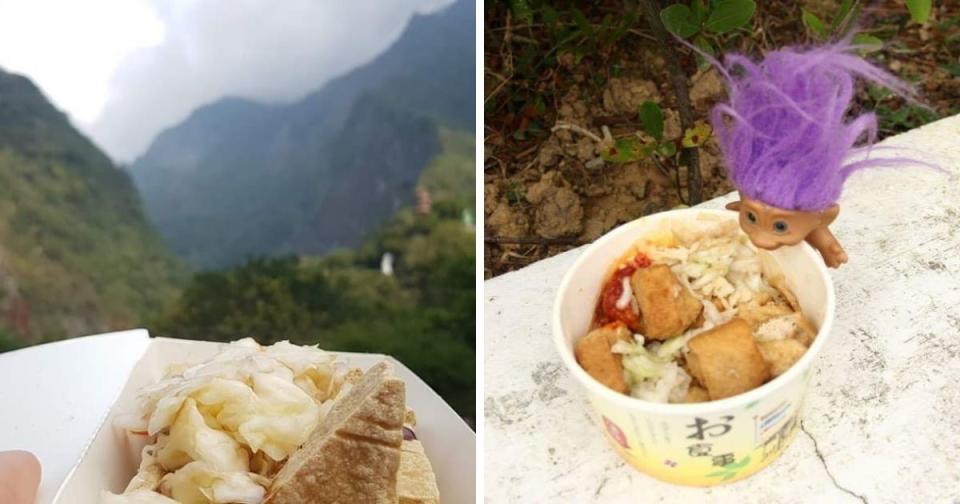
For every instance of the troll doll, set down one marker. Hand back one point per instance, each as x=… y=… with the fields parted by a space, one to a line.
x=786 y=136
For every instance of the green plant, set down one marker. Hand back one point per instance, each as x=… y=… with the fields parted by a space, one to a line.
x=906 y=116
x=919 y=10
x=635 y=147
x=704 y=21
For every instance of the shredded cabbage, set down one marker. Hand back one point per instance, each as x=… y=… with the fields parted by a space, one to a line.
x=210 y=420
x=199 y=483
x=135 y=497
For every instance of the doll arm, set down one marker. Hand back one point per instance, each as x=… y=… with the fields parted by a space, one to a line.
x=829 y=247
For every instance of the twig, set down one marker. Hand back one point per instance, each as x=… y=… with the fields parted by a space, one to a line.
x=507 y=40
x=496 y=90
x=678 y=80
x=531 y=240
x=573 y=127
x=642 y=34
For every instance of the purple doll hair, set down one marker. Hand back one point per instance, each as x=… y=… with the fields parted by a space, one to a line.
x=785 y=133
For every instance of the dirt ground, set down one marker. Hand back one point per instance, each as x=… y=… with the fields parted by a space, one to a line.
x=548 y=189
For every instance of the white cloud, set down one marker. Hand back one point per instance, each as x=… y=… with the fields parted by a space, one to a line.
x=72 y=48
x=126 y=69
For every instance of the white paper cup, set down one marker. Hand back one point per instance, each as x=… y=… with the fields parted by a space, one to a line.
x=700 y=444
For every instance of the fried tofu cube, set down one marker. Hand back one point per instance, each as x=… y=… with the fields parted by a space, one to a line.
x=667 y=307
x=755 y=313
x=727 y=361
x=792 y=326
x=781 y=354
x=696 y=394
x=594 y=354
x=780 y=283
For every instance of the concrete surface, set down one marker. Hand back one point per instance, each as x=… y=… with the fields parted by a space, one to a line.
x=882 y=419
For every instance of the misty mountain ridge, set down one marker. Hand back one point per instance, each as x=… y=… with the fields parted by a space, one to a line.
x=77 y=255
x=239 y=178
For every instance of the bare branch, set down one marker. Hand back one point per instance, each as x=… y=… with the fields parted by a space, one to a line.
x=531 y=240
x=579 y=129
x=678 y=80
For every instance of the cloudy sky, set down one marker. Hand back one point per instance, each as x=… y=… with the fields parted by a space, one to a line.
x=125 y=69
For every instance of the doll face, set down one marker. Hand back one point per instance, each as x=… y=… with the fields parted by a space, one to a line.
x=770 y=227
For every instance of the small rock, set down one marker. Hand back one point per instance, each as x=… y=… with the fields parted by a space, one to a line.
x=586 y=149
x=595 y=164
x=707 y=88
x=560 y=215
x=543 y=188
x=506 y=221
x=624 y=95
x=607 y=212
x=550 y=152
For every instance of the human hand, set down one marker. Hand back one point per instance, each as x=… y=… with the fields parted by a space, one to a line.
x=19 y=477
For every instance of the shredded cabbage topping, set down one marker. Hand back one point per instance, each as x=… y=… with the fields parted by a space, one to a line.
x=220 y=428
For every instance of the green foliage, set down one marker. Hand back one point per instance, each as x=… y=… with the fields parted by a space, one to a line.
x=716 y=17
x=78 y=254
x=842 y=20
x=450 y=175
x=868 y=42
x=626 y=150
x=651 y=117
x=632 y=148
x=522 y=11
x=705 y=22
x=814 y=24
x=728 y=15
x=423 y=315
x=680 y=20
x=9 y=341
x=907 y=116
x=569 y=36
x=919 y=10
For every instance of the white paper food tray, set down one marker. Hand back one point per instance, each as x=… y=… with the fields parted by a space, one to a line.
x=108 y=462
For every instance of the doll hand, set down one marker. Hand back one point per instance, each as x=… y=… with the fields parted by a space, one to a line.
x=834 y=255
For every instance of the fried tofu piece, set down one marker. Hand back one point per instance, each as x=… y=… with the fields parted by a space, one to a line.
x=781 y=354
x=696 y=394
x=668 y=308
x=594 y=354
x=754 y=313
x=806 y=332
x=726 y=360
x=780 y=283
x=792 y=326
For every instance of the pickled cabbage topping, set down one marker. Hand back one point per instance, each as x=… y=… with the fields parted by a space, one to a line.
x=713 y=260
x=135 y=497
x=199 y=483
x=220 y=429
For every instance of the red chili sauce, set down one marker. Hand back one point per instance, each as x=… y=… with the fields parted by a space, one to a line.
x=607 y=311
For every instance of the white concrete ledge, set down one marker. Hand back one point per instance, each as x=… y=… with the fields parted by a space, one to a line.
x=882 y=418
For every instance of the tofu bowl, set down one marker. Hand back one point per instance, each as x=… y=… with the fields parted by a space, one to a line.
x=697 y=367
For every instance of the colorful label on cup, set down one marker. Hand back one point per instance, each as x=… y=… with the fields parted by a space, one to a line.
x=705 y=449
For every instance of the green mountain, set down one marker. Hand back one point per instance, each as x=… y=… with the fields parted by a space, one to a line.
x=76 y=253
x=240 y=179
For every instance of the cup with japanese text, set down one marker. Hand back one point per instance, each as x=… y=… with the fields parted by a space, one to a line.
x=699 y=444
